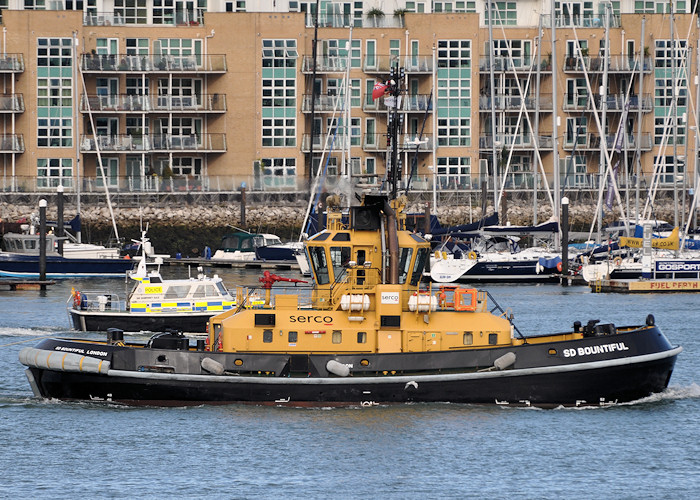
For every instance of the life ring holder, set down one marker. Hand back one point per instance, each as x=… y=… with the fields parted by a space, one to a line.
x=76 y=299
x=617 y=261
x=472 y=255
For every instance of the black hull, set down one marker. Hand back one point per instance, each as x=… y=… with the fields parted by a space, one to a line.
x=595 y=376
x=130 y=322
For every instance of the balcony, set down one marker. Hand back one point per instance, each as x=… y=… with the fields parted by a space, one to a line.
x=616 y=64
x=179 y=17
x=372 y=143
x=11 y=103
x=412 y=64
x=11 y=63
x=591 y=142
x=416 y=103
x=375 y=143
x=347 y=20
x=206 y=103
x=154 y=143
x=504 y=102
x=11 y=143
x=126 y=63
x=581 y=102
x=323 y=103
x=517 y=142
x=503 y=64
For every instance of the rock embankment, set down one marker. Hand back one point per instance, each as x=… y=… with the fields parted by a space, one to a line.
x=274 y=218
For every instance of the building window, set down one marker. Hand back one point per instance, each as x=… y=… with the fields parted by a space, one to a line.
x=137 y=46
x=454 y=92
x=504 y=13
x=52 y=172
x=238 y=6
x=575 y=172
x=130 y=11
x=276 y=173
x=34 y=4
x=279 y=103
x=54 y=92
x=664 y=133
x=454 y=172
x=668 y=171
x=185 y=165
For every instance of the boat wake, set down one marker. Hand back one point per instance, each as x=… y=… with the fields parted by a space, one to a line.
x=11 y=331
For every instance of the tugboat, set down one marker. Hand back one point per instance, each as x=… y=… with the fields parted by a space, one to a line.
x=369 y=331
x=371 y=334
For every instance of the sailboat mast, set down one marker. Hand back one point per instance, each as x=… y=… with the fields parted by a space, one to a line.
x=555 y=118
x=76 y=138
x=640 y=100
x=494 y=128
x=314 y=63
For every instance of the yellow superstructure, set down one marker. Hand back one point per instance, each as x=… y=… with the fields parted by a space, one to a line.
x=356 y=306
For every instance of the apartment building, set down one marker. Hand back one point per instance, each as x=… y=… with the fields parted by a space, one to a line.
x=152 y=95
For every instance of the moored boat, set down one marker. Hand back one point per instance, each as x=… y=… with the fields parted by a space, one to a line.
x=372 y=332
x=154 y=304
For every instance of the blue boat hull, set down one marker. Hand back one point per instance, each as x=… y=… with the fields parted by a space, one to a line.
x=27 y=266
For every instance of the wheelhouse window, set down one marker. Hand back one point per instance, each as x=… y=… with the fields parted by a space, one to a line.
x=319 y=264
x=340 y=256
x=404 y=264
x=419 y=265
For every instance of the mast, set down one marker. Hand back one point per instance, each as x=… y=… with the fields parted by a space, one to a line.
x=494 y=128
x=76 y=138
x=555 y=133
x=639 y=126
x=313 y=96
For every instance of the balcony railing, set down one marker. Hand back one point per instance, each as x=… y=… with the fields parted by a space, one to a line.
x=382 y=64
x=179 y=17
x=502 y=102
x=581 y=102
x=11 y=63
x=616 y=64
x=122 y=103
x=127 y=63
x=591 y=142
x=323 y=103
x=518 y=142
x=194 y=184
x=412 y=103
x=11 y=103
x=347 y=20
x=581 y=21
x=11 y=143
x=127 y=143
x=518 y=64
x=406 y=142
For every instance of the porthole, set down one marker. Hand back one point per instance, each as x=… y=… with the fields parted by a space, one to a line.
x=364 y=362
x=238 y=362
x=552 y=352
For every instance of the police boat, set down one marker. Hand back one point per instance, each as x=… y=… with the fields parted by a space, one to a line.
x=154 y=304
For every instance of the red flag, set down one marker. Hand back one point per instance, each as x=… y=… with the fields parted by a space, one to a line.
x=379 y=90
